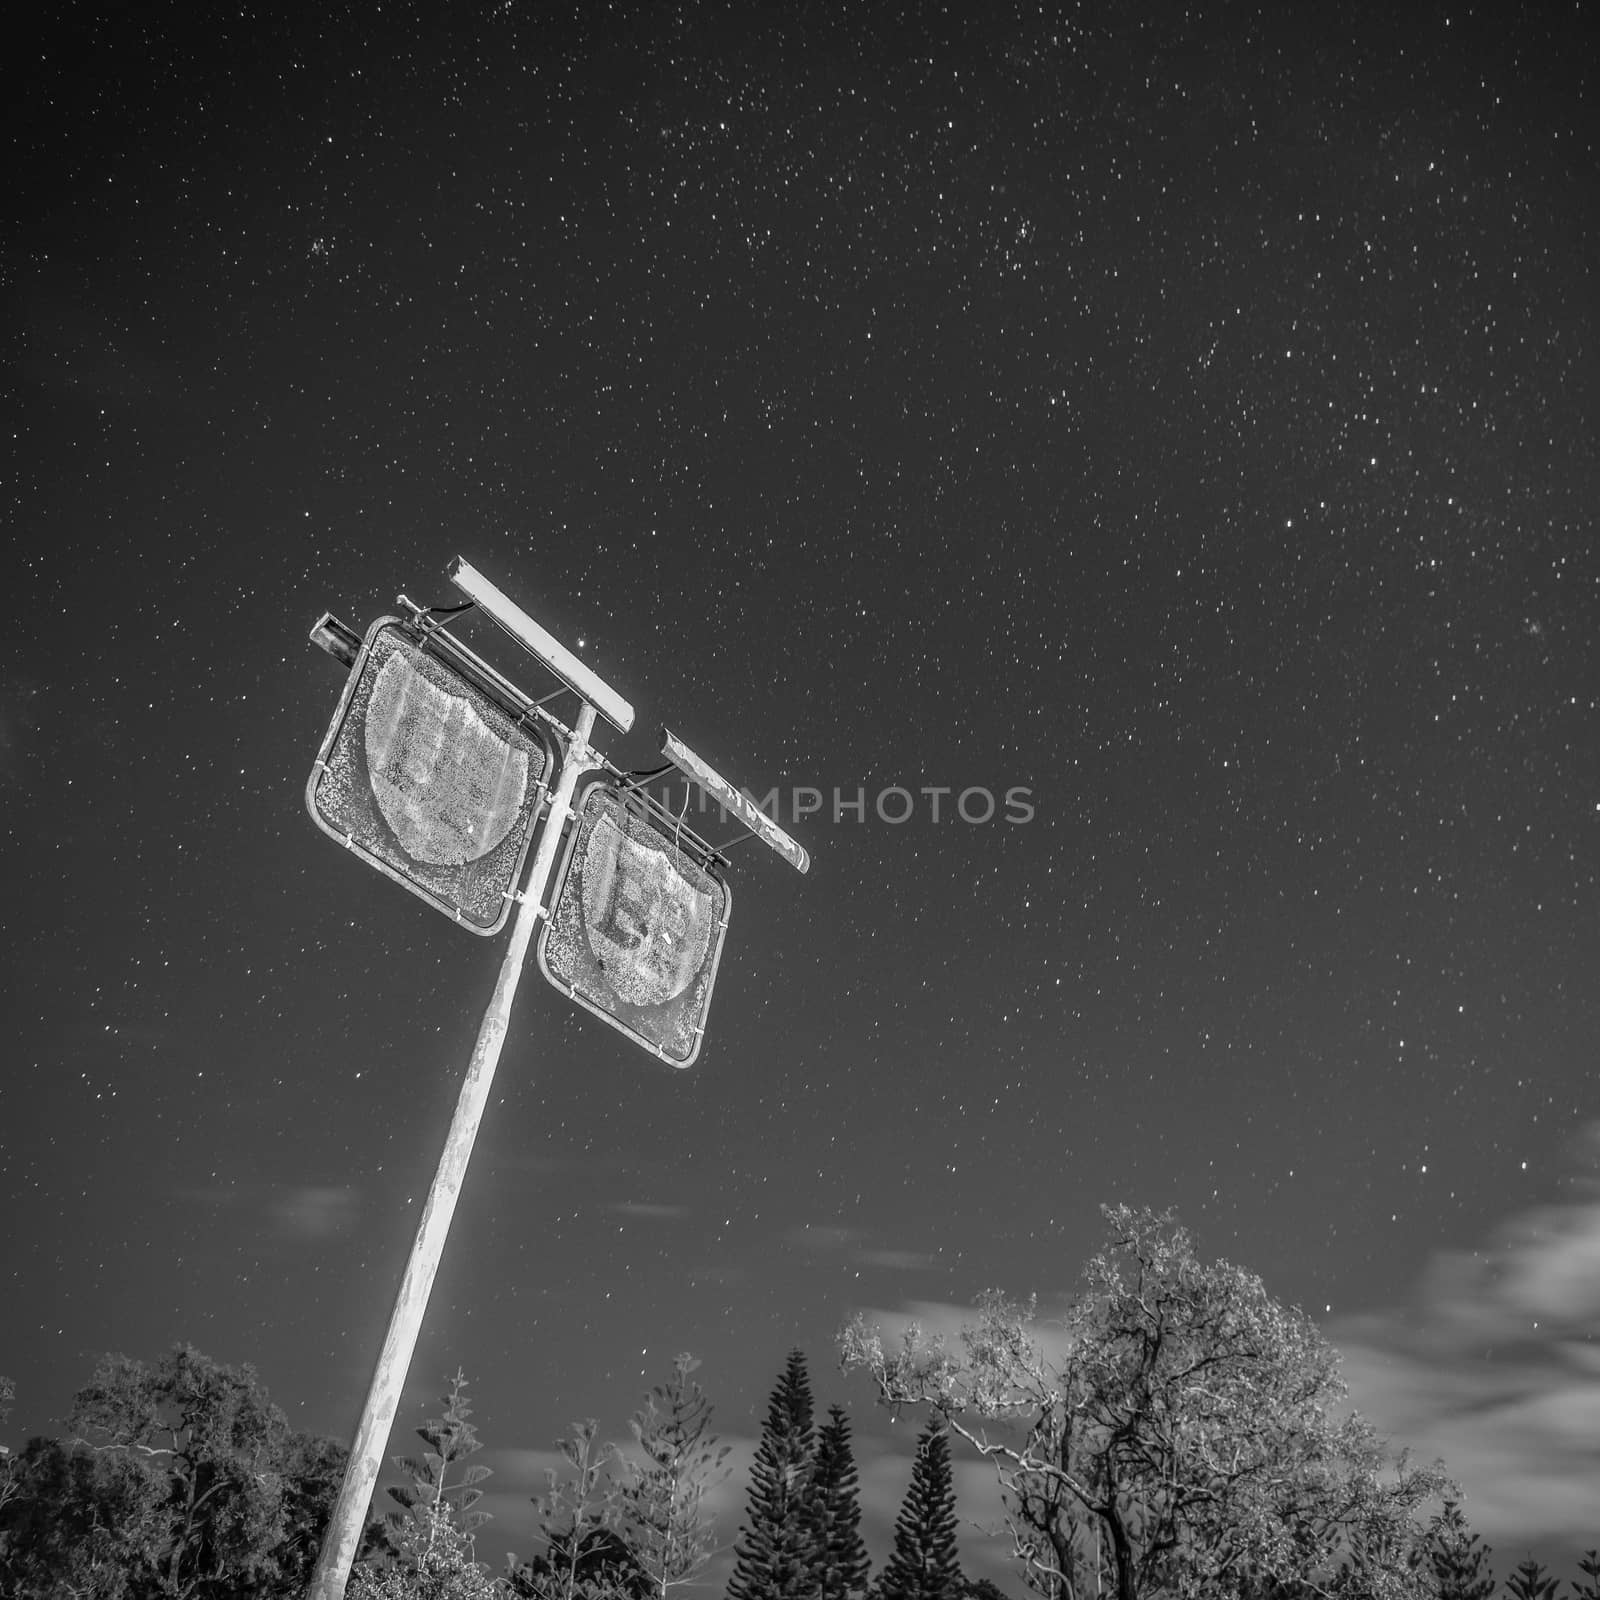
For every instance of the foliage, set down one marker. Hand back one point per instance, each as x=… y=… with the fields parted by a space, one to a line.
x=1589 y=1566
x=1529 y=1582
x=1179 y=1443
x=432 y=1561
x=1460 y=1559
x=451 y=1439
x=776 y=1556
x=923 y=1564
x=181 y=1481
x=10 y=1464
x=664 y=1518
x=835 y=1511
x=585 y=1556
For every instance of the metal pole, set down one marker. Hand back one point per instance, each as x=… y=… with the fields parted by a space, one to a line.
x=339 y=1543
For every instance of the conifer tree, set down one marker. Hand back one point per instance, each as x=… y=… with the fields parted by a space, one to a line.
x=835 y=1511
x=1460 y=1559
x=1589 y=1566
x=435 y=1486
x=923 y=1564
x=585 y=1556
x=663 y=1511
x=1529 y=1582
x=775 y=1558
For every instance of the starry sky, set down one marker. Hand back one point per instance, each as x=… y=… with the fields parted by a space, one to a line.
x=1183 y=413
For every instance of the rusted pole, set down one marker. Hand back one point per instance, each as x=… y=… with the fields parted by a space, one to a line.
x=343 y=1534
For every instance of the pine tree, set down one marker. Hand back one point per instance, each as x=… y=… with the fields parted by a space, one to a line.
x=1529 y=1582
x=1460 y=1559
x=450 y=1440
x=1589 y=1566
x=923 y=1564
x=835 y=1512
x=663 y=1497
x=585 y=1555
x=775 y=1558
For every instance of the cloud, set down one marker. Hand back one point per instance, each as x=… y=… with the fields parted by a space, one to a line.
x=1495 y=1366
x=821 y=1238
x=312 y=1211
x=294 y=1211
x=895 y=1260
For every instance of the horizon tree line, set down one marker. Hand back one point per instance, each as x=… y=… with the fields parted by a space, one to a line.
x=1176 y=1449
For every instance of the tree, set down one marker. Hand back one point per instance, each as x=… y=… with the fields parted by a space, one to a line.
x=923 y=1564
x=10 y=1464
x=1180 y=1439
x=585 y=1556
x=1589 y=1566
x=664 y=1518
x=775 y=1558
x=1529 y=1582
x=79 y=1526
x=180 y=1481
x=835 y=1511
x=1460 y=1559
x=451 y=1439
x=433 y=1561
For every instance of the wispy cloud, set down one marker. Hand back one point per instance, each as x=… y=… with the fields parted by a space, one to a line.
x=857 y=1246
x=896 y=1260
x=313 y=1211
x=293 y=1211
x=1495 y=1366
x=821 y=1238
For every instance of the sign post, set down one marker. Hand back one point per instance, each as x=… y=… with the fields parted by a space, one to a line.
x=433 y=772
x=339 y=1543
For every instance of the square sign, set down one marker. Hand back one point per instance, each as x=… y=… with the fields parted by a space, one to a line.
x=636 y=926
x=428 y=778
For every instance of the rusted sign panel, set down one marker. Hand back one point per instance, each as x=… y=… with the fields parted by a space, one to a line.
x=636 y=927
x=430 y=780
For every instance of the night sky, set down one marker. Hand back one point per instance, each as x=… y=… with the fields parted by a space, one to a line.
x=1186 y=414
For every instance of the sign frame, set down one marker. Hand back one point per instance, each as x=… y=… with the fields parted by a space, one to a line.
x=717 y=788
x=454 y=662
x=578 y=675
x=686 y=843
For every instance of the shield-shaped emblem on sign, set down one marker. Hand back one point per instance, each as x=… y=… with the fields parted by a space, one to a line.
x=430 y=778
x=637 y=924
x=448 y=786
x=647 y=924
